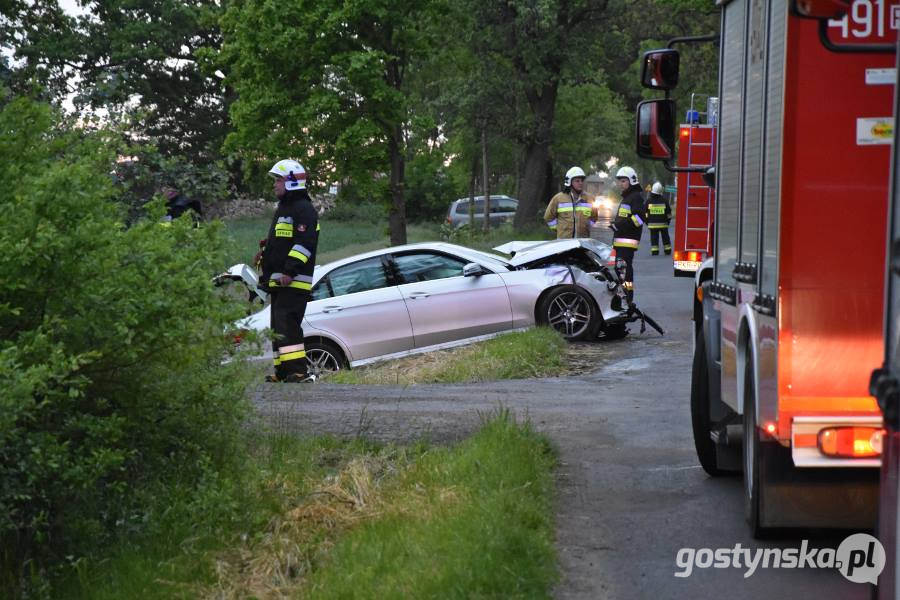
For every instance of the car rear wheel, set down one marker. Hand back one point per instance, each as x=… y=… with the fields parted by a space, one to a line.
x=571 y=311
x=324 y=357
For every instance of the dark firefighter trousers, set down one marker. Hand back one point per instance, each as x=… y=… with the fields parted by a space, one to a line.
x=627 y=255
x=288 y=308
x=654 y=240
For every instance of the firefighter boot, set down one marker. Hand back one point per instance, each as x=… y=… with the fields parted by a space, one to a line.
x=300 y=378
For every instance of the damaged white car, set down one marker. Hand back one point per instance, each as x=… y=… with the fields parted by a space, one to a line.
x=421 y=297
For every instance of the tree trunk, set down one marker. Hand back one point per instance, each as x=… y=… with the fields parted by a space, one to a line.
x=397 y=215
x=537 y=155
x=486 y=182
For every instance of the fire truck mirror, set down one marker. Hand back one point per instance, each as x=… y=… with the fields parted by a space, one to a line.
x=821 y=9
x=659 y=70
x=709 y=177
x=656 y=129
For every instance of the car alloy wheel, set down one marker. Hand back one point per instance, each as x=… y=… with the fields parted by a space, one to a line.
x=570 y=314
x=322 y=361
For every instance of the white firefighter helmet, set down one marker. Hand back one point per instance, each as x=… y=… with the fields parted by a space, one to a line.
x=293 y=172
x=627 y=173
x=657 y=189
x=572 y=174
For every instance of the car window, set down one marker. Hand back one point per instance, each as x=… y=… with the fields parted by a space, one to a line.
x=321 y=290
x=507 y=205
x=360 y=276
x=463 y=207
x=426 y=266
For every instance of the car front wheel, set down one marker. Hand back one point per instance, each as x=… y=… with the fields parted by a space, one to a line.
x=571 y=311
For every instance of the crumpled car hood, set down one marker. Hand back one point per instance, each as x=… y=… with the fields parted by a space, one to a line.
x=530 y=251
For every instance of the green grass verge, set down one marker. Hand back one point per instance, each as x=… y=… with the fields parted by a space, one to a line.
x=473 y=521
x=323 y=518
x=537 y=352
x=187 y=530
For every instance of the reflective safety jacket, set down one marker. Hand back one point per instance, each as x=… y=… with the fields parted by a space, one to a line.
x=628 y=223
x=571 y=217
x=291 y=246
x=658 y=213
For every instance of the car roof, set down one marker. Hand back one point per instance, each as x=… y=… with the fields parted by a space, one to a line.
x=499 y=261
x=497 y=196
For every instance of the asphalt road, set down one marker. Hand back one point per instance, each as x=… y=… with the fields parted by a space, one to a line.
x=630 y=492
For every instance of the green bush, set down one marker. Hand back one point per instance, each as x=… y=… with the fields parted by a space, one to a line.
x=348 y=209
x=429 y=190
x=111 y=343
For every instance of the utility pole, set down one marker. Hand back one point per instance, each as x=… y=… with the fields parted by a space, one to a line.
x=486 y=185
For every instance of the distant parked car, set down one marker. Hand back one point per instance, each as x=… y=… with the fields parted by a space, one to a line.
x=503 y=209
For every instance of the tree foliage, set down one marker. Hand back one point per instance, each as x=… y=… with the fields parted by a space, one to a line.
x=329 y=88
x=119 y=54
x=111 y=342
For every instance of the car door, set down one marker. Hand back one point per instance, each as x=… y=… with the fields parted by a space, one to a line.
x=357 y=303
x=445 y=306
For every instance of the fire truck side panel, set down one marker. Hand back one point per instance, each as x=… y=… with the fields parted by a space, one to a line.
x=834 y=190
x=767 y=326
x=728 y=176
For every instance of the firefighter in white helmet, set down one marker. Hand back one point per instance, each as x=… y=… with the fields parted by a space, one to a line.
x=658 y=215
x=571 y=213
x=628 y=225
x=288 y=260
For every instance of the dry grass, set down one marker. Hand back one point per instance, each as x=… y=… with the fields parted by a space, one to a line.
x=272 y=564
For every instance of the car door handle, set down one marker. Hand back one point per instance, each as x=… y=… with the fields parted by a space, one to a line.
x=417 y=295
x=332 y=309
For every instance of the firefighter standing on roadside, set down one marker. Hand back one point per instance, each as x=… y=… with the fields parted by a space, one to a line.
x=628 y=224
x=658 y=215
x=288 y=259
x=571 y=212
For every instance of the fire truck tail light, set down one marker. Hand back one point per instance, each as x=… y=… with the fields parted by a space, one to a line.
x=685 y=132
x=851 y=442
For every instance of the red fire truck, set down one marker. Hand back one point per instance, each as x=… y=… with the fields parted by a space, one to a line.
x=788 y=310
x=695 y=200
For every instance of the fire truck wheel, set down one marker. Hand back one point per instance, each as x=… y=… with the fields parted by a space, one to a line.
x=571 y=311
x=752 y=460
x=700 y=419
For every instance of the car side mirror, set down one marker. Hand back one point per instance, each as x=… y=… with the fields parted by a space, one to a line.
x=473 y=270
x=709 y=177
x=821 y=9
x=655 y=134
x=659 y=69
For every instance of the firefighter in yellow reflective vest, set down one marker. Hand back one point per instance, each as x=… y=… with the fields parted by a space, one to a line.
x=658 y=215
x=571 y=213
x=628 y=225
x=288 y=260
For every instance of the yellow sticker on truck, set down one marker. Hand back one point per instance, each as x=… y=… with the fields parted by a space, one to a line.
x=879 y=130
